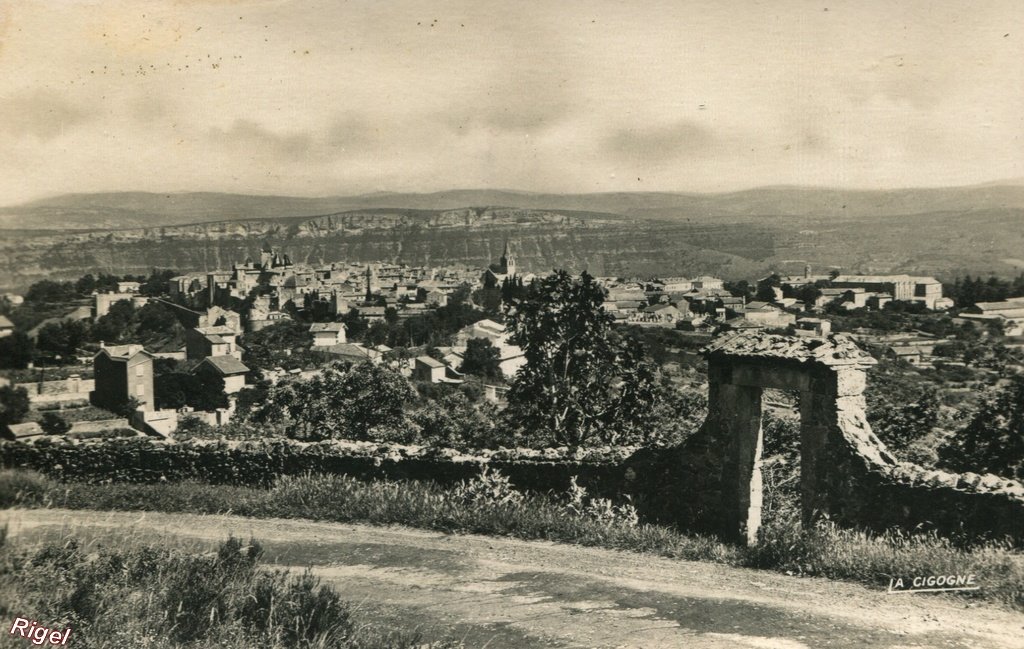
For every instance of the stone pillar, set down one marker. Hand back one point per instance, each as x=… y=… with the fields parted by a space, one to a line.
x=737 y=418
x=816 y=411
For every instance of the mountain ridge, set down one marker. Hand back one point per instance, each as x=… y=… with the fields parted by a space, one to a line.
x=118 y=210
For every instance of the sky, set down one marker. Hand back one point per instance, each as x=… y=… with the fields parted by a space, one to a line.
x=329 y=98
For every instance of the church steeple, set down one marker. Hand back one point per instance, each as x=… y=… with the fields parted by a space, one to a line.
x=369 y=283
x=508 y=262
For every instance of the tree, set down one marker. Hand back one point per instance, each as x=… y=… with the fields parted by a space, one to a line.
x=118 y=324
x=14 y=404
x=451 y=420
x=581 y=381
x=355 y=325
x=271 y=346
x=157 y=283
x=993 y=439
x=482 y=358
x=54 y=424
x=362 y=402
x=203 y=391
x=766 y=288
x=50 y=291
x=63 y=338
x=16 y=351
x=742 y=289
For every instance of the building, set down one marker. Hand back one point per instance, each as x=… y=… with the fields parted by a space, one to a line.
x=122 y=372
x=426 y=368
x=203 y=342
x=766 y=315
x=902 y=288
x=103 y=301
x=429 y=369
x=707 y=283
x=504 y=269
x=6 y=326
x=216 y=316
x=352 y=353
x=814 y=327
x=229 y=368
x=326 y=334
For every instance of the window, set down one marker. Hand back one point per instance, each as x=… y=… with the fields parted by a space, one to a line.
x=139 y=370
x=140 y=389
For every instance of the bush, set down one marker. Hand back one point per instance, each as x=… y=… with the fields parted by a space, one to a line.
x=156 y=600
x=54 y=424
x=14 y=404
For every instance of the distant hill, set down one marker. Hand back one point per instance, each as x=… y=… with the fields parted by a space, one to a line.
x=740 y=235
x=110 y=211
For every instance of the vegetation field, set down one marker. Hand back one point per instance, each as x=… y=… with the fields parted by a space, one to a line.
x=489 y=505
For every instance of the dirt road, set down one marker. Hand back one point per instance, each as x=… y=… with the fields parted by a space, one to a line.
x=500 y=593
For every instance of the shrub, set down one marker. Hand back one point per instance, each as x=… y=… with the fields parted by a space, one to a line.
x=144 y=595
x=54 y=424
x=490 y=488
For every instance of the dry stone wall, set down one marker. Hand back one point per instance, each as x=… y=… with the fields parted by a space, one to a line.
x=847 y=473
x=711 y=483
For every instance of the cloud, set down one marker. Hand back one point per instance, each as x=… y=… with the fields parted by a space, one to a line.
x=42 y=113
x=352 y=132
x=252 y=138
x=660 y=143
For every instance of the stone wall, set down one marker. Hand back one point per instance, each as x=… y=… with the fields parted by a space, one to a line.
x=847 y=474
x=709 y=484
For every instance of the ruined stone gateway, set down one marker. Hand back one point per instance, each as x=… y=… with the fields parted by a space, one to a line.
x=846 y=471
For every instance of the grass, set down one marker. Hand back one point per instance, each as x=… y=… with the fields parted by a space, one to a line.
x=143 y=595
x=488 y=506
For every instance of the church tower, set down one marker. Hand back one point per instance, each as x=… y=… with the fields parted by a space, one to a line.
x=508 y=262
x=266 y=256
x=371 y=280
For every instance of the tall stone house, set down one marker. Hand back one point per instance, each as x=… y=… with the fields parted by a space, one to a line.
x=122 y=372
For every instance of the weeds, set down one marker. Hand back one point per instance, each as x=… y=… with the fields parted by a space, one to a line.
x=141 y=595
x=490 y=505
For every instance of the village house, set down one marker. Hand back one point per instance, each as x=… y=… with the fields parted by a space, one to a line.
x=6 y=326
x=766 y=315
x=814 y=327
x=121 y=373
x=707 y=283
x=203 y=342
x=229 y=368
x=352 y=353
x=429 y=369
x=326 y=334
x=217 y=316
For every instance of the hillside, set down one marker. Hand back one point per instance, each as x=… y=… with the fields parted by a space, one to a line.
x=941 y=232
x=138 y=209
x=542 y=240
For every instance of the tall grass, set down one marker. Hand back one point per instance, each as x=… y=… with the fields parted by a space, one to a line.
x=140 y=595
x=490 y=507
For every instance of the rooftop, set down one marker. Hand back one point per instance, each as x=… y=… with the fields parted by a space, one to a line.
x=122 y=352
x=429 y=362
x=226 y=365
x=332 y=327
x=833 y=350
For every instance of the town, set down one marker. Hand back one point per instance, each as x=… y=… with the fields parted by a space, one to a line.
x=146 y=354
